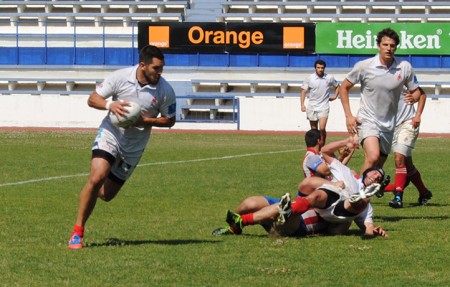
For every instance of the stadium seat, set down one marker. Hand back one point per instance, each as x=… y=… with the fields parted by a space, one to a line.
x=58 y=86
x=93 y=11
x=335 y=11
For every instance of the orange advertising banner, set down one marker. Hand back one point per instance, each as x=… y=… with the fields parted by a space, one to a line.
x=204 y=37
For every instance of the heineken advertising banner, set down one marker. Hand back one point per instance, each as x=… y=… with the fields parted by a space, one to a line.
x=355 y=38
x=203 y=37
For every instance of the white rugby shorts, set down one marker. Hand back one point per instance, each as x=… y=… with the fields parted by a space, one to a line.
x=367 y=129
x=405 y=136
x=125 y=162
x=316 y=115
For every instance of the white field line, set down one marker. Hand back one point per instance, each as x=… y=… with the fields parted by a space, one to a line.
x=148 y=164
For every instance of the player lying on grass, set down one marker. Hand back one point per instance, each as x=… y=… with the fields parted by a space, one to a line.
x=339 y=203
x=312 y=165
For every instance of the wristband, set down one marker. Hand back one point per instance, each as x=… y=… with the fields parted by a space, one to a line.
x=108 y=104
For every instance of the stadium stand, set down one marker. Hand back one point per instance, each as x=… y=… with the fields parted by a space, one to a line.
x=103 y=33
x=344 y=7
x=334 y=11
x=250 y=86
x=37 y=86
x=200 y=87
x=95 y=11
x=280 y=88
x=209 y=107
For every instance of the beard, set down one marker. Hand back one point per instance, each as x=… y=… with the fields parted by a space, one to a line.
x=151 y=80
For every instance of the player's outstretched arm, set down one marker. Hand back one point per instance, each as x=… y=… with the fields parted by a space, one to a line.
x=372 y=231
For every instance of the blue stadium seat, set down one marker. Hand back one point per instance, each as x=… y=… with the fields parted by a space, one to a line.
x=243 y=60
x=120 y=56
x=60 y=56
x=211 y=60
x=8 y=56
x=273 y=61
x=32 y=56
x=425 y=61
x=182 y=60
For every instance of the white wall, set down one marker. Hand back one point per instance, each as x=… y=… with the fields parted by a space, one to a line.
x=269 y=113
x=256 y=113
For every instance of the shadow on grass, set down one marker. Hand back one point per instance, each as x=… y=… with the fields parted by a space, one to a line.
x=120 y=242
x=398 y=218
x=411 y=205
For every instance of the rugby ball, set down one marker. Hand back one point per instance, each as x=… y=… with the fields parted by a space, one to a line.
x=134 y=112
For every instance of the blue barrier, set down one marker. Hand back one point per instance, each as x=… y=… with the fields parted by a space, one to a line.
x=8 y=56
x=243 y=60
x=272 y=61
x=213 y=60
x=130 y=56
x=32 y=56
x=60 y=56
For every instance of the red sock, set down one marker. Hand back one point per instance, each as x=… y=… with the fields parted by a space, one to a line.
x=400 y=178
x=300 y=205
x=416 y=179
x=390 y=187
x=78 y=230
x=247 y=219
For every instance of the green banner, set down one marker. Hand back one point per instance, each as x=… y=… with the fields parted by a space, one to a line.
x=356 y=38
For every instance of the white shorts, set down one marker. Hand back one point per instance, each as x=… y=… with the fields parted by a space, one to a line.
x=367 y=129
x=316 y=115
x=328 y=213
x=125 y=162
x=405 y=136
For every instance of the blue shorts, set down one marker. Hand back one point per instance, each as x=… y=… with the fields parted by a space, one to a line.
x=271 y=200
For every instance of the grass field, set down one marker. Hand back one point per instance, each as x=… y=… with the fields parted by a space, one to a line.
x=157 y=231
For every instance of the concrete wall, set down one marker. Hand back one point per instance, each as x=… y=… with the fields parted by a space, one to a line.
x=256 y=113
x=262 y=113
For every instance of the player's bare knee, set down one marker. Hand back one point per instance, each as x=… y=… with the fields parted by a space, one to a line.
x=372 y=158
x=245 y=206
x=96 y=180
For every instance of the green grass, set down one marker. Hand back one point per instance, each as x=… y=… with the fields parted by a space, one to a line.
x=157 y=231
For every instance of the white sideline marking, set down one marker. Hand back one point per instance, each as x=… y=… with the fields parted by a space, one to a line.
x=148 y=164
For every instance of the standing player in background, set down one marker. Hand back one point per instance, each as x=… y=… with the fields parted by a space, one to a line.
x=382 y=79
x=318 y=85
x=116 y=151
x=405 y=136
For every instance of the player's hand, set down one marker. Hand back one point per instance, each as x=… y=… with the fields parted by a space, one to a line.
x=415 y=122
x=352 y=124
x=118 y=108
x=303 y=108
x=354 y=142
x=408 y=98
x=380 y=231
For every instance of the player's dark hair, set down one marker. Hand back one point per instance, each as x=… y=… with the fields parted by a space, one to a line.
x=147 y=53
x=320 y=62
x=388 y=32
x=311 y=137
